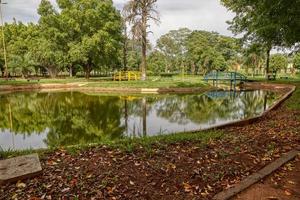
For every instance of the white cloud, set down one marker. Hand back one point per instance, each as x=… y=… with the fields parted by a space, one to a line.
x=207 y=15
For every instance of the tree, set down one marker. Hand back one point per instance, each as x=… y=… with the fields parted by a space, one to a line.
x=173 y=46
x=271 y=23
x=47 y=46
x=91 y=30
x=157 y=62
x=138 y=13
x=211 y=51
x=19 y=64
x=254 y=57
x=296 y=61
x=278 y=62
x=18 y=42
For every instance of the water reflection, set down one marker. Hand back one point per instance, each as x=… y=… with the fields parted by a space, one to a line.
x=39 y=120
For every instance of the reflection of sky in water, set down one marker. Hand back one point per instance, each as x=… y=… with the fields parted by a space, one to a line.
x=165 y=114
x=157 y=125
x=16 y=141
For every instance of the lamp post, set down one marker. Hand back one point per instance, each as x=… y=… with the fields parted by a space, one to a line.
x=3 y=39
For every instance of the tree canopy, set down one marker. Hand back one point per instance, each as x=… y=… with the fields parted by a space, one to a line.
x=278 y=62
x=85 y=33
x=195 y=51
x=275 y=22
x=271 y=23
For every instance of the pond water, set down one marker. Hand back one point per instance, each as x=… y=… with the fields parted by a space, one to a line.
x=50 y=119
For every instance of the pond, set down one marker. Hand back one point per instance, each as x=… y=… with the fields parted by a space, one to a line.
x=50 y=119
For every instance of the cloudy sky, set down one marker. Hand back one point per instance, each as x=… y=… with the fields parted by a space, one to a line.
x=207 y=15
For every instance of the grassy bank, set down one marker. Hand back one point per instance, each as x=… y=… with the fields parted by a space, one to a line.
x=294 y=102
x=129 y=144
x=152 y=82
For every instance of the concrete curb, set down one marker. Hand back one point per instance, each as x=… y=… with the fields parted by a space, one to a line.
x=254 y=178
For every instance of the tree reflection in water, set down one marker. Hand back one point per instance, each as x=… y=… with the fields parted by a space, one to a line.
x=69 y=118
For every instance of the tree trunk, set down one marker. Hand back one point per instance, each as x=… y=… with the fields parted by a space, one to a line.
x=144 y=59
x=71 y=71
x=268 y=64
x=193 y=69
x=125 y=49
x=52 y=71
x=88 y=70
x=144 y=44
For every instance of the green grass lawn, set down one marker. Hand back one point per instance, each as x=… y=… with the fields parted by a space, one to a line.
x=152 y=82
x=130 y=144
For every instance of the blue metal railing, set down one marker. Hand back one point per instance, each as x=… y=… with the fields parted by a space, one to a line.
x=224 y=76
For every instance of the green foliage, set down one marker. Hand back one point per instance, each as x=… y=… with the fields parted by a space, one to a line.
x=269 y=22
x=173 y=47
x=157 y=62
x=80 y=34
x=21 y=64
x=254 y=57
x=211 y=51
x=197 y=51
x=278 y=62
x=296 y=61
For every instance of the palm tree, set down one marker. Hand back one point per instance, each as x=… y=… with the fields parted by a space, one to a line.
x=138 y=13
x=254 y=57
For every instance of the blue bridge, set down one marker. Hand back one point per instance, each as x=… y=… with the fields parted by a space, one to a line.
x=232 y=77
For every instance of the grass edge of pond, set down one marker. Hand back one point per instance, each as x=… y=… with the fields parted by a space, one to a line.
x=128 y=145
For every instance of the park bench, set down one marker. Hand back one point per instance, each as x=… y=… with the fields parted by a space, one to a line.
x=33 y=79
x=9 y=79
x=271 y=77
x=167 y=75
x=284 y=77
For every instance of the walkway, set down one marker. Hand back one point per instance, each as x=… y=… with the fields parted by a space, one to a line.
x=282 y=185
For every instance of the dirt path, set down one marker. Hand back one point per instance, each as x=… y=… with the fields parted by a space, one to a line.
x=282 y=185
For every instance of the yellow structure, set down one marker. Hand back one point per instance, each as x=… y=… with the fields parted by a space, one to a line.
x=127 y=76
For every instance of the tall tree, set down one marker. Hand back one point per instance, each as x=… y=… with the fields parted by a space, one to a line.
x=47 y=46
x=139 y=13
x=92 y=31
x=272 y=23
x=254 y=57
x=173 y=46
x=211 y=51
x=296 y=61
x=278 y=62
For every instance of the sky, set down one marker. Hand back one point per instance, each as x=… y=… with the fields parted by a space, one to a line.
x=207 y=15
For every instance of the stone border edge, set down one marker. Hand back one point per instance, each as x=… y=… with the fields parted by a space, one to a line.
x=257 y=176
